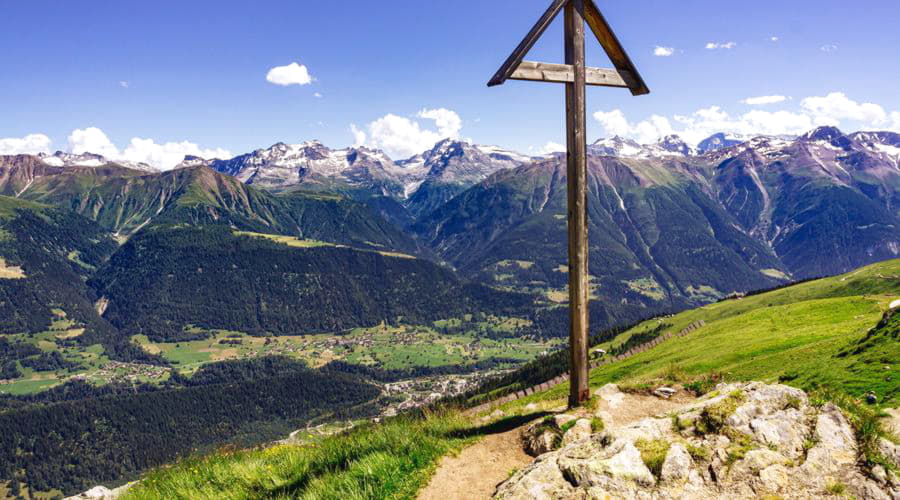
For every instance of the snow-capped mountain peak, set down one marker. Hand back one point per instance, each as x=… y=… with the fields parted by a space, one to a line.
x=668 y=146
x=63 y=159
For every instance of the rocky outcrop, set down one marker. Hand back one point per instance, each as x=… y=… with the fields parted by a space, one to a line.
x=102 y=493
x=747 y=440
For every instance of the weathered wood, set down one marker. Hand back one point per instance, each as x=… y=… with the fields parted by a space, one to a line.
x=512 y=62
x=576 y=141
x=564 y=73
x=614 y=49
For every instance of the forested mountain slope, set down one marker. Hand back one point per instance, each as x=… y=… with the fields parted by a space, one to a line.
x=657 y=236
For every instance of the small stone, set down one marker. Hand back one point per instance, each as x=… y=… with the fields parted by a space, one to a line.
x=677 y=465
x=606 y=417
x=890 y=451
x=581 y=430
x=871 y=398
x=498 y=413
x=664 y=392
x=757 y=460
x=774 y=478
x=879 y=474
x=531 y=407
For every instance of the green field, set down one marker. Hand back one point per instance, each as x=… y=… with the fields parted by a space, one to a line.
x=383 y=346
x=451 y=342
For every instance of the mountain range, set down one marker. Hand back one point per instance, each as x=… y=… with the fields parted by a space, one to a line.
x=670 y=226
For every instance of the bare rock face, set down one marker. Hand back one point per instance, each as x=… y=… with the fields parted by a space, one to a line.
x=747 y=440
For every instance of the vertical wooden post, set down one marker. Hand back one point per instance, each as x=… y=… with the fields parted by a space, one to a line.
x=576 y=143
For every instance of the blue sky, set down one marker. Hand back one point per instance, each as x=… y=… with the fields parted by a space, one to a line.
x=191 y=76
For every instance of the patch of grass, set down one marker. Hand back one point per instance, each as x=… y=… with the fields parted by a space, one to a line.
x=653 y=453
x=637 y=387
x=568 y=425
x=678 y=424
x=391 y=460
x=712 y=418
x=740 y=444
x=793 y=402
x=836 y=488
x=704 y=384
x=698 y=453
x=675 y=373
x=597 y=425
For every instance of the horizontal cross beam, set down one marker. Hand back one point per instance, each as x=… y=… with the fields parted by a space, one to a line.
x=565 y=73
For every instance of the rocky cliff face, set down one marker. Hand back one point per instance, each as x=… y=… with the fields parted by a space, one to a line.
x=748 y=440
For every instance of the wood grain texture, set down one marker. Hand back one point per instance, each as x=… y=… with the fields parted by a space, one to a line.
x=614 y=49
x=564 y=73
x=512 y=62
x=576 y=141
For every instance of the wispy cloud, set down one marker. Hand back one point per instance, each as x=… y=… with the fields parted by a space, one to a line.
x=722 y=45
x=661 y=51
x=123 y=83
x=317 y=95
x=774 y=38
x=765 y=99
x=829 y=48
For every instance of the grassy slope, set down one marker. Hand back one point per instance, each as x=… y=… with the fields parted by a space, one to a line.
x=795 y=334
x=393 y=460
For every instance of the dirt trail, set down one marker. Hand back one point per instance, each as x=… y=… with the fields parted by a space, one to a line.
x=476 y=471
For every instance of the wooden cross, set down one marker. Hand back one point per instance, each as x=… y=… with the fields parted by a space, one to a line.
x=575 y=76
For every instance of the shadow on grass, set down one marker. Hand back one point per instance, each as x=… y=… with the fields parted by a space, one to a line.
x=500 y=426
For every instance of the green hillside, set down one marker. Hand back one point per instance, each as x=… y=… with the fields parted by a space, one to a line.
x=833 y=333
x=808 y=335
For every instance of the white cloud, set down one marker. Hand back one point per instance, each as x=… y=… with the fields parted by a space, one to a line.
x=317 y=94
x=663 y=51
x=448 y=122
x=359 y=137
x=30 y=144
x=829 y=48
x=615 y=123
x=167 y=155
x=764 y=99
x=836 y=106
x=703 y=123
x=774 y=39
x=833 y=109
x=124 y=84
x=162 y=156
x=552 y=147
x=723 y=45
x=292 y=74
x=402 y=137
x=92 y=140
